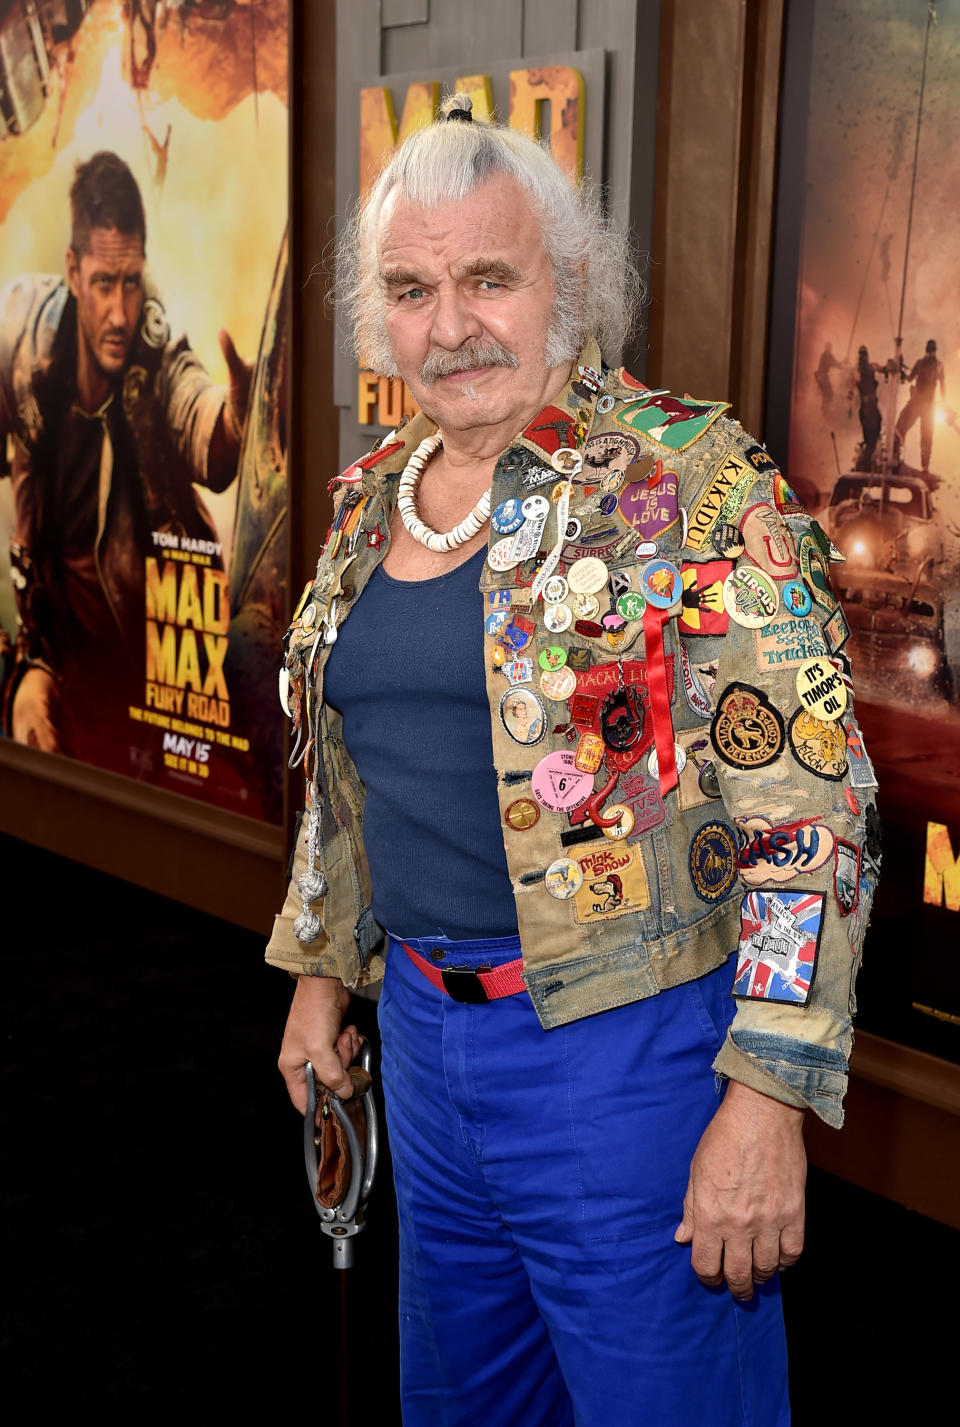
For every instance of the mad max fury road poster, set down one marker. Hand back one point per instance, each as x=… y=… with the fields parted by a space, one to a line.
x=143 y=458
x=870 y=180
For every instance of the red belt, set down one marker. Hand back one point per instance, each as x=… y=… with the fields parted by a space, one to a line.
x=464 y=983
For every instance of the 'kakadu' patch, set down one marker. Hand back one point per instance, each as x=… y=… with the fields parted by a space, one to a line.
x=779 y=938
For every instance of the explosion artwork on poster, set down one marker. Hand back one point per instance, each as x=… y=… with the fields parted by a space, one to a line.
x=143 y=389
x=870 y=187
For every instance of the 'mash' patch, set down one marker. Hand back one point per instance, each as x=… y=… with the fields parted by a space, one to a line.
x=747 y=731
x=713 y=862
x=769 y=853
x=779 y=939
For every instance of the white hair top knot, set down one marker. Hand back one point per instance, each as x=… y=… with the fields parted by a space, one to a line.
x=457 y=107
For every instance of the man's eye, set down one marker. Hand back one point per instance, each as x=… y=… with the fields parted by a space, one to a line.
x=413 y=293
x=133 y=283
x=489 y=284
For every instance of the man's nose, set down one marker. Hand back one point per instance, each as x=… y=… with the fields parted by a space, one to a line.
x=454 y=321
x=117 y=313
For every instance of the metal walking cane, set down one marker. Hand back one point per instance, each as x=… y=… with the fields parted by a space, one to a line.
x=340 y=1170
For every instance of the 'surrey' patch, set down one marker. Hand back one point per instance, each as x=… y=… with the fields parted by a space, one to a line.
x=779 y=853
x=671 y=421
x=779 y=940
x=819 y=746
x=747 y=731
x=614 y=883
x=703 y=516
x=713 y=862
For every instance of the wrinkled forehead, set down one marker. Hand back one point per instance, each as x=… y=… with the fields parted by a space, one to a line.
x=114 y=251
x=496 y=219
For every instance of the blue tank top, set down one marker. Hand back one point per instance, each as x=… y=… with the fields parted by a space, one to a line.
x=406 y=673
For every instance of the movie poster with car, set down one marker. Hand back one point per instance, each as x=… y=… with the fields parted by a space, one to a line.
x=143 y=391
x=866 y=339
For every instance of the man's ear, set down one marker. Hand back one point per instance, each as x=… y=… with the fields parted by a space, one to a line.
x=73 y=272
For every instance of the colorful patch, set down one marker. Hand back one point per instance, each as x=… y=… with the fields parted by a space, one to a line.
x=703 y=610
x=861 y=769
x=760 y=459
x=788 y=641
x=609 y=451
x=614 y=883
x=703 y=516
x=698 y=682
x=668 y=420
x=697 y=783
x=713 y=862
x=779 y=939
x=796 y=599
x=750 y=596
x=651 y=509
x=769 y=853
x=836 y=631
x=821 y=689
x=521 y=815
x=785 y=499
x=815 y=570
x=642 y=796
x=517 y=633
x=660 y=584
x=820 y=747
x=594 y=687
x=846 y=877
x=769 y=544
x=549 y=431
x=737 y=498
x=747 y=731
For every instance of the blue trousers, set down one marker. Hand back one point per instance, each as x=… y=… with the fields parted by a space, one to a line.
x=540 y=1177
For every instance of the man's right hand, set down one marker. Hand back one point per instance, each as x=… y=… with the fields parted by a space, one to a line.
x=36 y=707
x=313 y=1033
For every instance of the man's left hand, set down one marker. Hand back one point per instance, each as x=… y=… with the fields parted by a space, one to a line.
x=240 y=373
x=743 y=1209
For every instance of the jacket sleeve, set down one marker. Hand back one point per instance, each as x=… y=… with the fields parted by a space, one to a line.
x=284 y=950
x=806 y=831
x=193 y=404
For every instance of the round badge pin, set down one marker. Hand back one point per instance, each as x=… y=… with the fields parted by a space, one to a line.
x=750 y=596
x=555 y=590
x=553 y=657
x=494 y=622
x=521 y=814
x=501 y=557
x=623 y=827
x=536 y=507
x=631 y=605
x=572 y=529
x=507 y=516
x=646 y=550
x=557 y=618
x=523 y=715
x=567 y=461
x=605 y=404
x=653 y=762
x=713 y=862
x=558 y=684
x=611 y=483
x=727 y=541
x=558 y=785
x=563 y=878
x=585 y=606
x=821 y=689
x=661 y=583
x=796 y=598
x=587 y=576
x=608 y=504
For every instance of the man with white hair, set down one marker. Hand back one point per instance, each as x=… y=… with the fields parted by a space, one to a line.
x=570 y=1096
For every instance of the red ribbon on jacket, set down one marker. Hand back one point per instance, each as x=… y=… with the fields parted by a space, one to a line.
x=653 y=621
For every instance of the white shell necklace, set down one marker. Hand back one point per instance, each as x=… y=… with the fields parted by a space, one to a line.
x=407 y=504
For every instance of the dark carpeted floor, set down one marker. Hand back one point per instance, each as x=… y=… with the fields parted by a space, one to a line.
x=160 y=1248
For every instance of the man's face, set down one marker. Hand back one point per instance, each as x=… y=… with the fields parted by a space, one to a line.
x=107 y=282
x=469 y=282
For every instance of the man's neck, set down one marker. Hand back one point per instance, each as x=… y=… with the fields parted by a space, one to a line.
x=93 y=387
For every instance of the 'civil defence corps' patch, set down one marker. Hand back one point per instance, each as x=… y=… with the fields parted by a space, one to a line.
x=779 y=939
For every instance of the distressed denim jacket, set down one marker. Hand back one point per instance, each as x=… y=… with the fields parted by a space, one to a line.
x=679 y=687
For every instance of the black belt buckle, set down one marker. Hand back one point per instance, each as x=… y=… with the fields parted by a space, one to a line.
x=463 y=984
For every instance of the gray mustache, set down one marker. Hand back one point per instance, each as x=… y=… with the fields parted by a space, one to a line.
x=466 y=359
